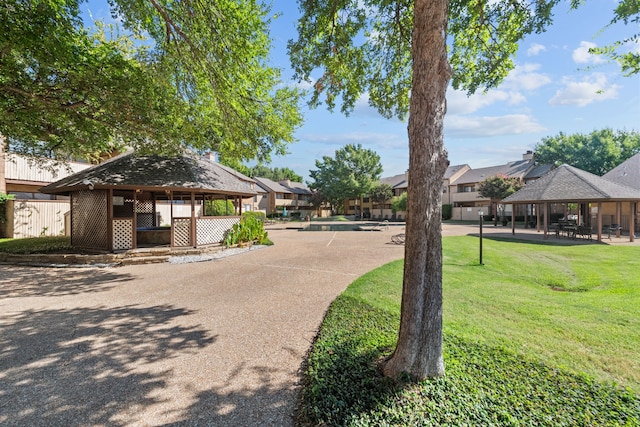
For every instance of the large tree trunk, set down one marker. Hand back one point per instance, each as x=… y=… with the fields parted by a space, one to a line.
x=419 y=349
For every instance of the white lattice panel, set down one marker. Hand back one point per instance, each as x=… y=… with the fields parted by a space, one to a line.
x=182 y=231
x=122 y=234
x=213 y=230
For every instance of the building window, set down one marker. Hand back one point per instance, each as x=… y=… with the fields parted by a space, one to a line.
x=466 y=188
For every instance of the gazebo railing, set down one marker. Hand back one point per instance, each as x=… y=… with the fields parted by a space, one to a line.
x=210 y=230
x=122 y=232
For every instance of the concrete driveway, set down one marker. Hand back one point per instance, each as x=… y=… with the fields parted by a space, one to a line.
x=215 y=343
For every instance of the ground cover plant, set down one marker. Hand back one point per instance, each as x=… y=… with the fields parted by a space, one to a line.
x=540 y=335
x=36 y=245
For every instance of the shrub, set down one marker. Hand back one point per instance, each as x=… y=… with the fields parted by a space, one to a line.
x=248 y=230
x=218 y=208
x=255 y=214
x=3 y=206
x=295 y=215
x=447 y=212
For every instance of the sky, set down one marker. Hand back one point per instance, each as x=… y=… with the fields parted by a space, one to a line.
x=556 y=86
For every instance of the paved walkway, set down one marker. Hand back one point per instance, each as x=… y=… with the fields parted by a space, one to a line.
x=210 y=343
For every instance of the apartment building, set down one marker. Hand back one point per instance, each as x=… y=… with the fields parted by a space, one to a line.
x=31 y=213
x=285 y=197
x=459 y=189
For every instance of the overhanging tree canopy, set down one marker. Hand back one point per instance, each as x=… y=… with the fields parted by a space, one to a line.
x=202 y=82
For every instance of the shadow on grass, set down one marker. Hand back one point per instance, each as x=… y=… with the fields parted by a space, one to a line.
x=551 y=241
x=482 y=386
x=86 y=366
x=19 y=281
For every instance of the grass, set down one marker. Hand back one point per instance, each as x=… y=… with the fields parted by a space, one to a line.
x=36 y=245
x=539 y=335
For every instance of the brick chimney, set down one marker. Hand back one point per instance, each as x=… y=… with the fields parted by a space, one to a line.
x=528 y=155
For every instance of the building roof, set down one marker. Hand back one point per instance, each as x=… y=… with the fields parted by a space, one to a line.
x=538 y=171
x=130 y=171
x=297 y=187
x=626 y=173
x=452 y=170
x=516 y=169
x=282 y=187
x=234 y=172
x=569 y=184
x=395 y=181
x=401 y=180
x=270 y=185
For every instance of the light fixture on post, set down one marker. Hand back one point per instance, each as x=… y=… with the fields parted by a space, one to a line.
x=481 y=213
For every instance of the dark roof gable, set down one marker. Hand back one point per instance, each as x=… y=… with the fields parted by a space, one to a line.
x=180 y=173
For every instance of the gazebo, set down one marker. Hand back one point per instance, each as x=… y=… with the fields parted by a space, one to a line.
x=133 y=201
x=567 y=184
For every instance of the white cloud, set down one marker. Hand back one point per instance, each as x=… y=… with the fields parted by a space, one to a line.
x=586 y=91
x=372 y=140
x=581 y=54
x=525 y=77
x=459 y=103
x=535 y=49
x=480 y=127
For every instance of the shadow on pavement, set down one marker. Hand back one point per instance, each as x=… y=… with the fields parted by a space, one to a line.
x=88 y=366
x=43 y=282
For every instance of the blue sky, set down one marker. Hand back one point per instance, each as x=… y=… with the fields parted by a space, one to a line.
x=557 y=86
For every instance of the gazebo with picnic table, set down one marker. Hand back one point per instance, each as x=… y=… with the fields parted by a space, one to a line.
x=133 y=201
x=593 y=194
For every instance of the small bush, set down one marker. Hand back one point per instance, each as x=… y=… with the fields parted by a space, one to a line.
x=295 y=215
x=447 y=211
x=219 y=208
x=248 y=230
x=255 y=214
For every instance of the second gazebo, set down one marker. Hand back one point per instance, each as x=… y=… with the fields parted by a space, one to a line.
x=568 y=184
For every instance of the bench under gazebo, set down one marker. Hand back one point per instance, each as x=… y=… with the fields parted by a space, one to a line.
x=567 y=184
x=133 y=201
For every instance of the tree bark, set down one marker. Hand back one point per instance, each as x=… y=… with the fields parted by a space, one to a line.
x=419 y=349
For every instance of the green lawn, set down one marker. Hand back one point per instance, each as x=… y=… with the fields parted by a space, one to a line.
x=36 y=245
x=539 y=335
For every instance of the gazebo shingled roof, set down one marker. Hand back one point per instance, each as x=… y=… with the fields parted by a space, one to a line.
x=130 y=171
x=569 y=184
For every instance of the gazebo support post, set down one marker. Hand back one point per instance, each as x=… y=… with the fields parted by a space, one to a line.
x=599 y=221
x=618 y=217
x=513 y=219
x=135 y=218
x=632 y=222
x=538 y=217
x=173 y=242
x=546 y=220
x=110 y=219
x=194 y=240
